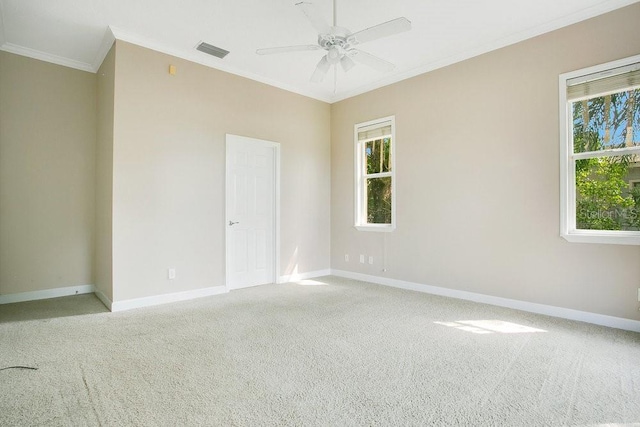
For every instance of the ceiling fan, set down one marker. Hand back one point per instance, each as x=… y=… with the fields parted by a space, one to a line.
x=340 y=43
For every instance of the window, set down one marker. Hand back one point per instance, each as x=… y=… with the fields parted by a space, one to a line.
x=600 y=153
x=375 y=175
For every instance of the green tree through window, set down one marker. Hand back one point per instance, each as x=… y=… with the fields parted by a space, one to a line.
x=378 y=154
x=605 y=196
x=375 y=174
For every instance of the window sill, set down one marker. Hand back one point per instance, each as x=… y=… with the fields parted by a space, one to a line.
x=603 y=237
x=380 y=228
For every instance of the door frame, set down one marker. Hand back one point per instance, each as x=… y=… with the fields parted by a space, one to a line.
x=232 y=139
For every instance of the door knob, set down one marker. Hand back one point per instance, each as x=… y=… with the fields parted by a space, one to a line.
x=231 y=223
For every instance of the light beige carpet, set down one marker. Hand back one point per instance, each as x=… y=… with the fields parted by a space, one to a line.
x=330 y=352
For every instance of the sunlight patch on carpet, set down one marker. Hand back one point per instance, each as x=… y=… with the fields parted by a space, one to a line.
x=490 y=327
x=309 y=282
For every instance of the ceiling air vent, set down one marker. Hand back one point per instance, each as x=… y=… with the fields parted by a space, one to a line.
x=212 y=50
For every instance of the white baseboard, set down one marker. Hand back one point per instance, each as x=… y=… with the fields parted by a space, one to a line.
x=565 y=313
x=112 y=306
x=303 y=276
x=103 y=298
x=165 y=298
x=549 y=310
x=46 y=294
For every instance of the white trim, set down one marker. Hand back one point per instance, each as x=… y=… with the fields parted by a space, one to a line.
x=276 y=196
x=166 y=298
x=120 y=34
x=380 y=228
x=286 y=278
x=601 y=75
x=568 y=229
x=547 y=27
x=103 y=50
x=208 y=61
x=360 y=176
x=3 y=36
x=549 y=310
x=276 y=255
x=46 y=57
x=46 y=294
x=603 y=237
x=112 y=306
x=612 y=152
x=104 y=299
x=566 y=193
x=599 y=68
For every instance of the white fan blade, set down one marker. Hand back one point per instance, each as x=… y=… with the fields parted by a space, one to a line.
x=314 y=16
x=370 y=60
x=347 y=63
x=321 y=70
x=379 y=31
x=285 y=49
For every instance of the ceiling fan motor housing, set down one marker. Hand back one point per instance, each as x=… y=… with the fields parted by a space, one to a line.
x=338 y=36
x=336 y=43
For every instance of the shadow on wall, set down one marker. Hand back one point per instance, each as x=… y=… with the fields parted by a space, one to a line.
x=76 y=305
x=292 y=265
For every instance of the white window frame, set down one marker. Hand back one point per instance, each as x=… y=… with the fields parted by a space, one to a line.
x=360 y=178
x=568 y=228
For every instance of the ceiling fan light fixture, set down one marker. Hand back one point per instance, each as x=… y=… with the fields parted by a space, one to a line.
x=333 y=55
x=347 y=63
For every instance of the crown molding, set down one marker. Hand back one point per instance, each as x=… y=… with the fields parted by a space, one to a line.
x=103 y=50
x=47 y=57
x=547 y=27
x=113 y=33
x=3 y=36
x=206 y=60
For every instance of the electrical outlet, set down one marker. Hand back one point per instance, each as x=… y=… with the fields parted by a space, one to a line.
x=361 y=259
x=370 y=260
x=171 y=273
x=346 y=257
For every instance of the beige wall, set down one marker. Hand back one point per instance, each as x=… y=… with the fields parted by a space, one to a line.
x=477 y=158
x=478 y=177
x=103 y=262
x=169 y=163
x=47 y=156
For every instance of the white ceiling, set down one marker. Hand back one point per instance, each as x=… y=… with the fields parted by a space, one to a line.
x=77 y=33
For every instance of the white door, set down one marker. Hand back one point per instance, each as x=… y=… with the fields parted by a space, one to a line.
x=251 y=191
